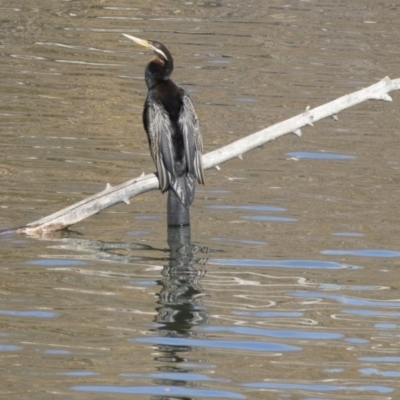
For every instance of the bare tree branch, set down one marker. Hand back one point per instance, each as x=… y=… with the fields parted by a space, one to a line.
x=123 y=192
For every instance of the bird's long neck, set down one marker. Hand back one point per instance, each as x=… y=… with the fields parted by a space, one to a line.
x=158 y=70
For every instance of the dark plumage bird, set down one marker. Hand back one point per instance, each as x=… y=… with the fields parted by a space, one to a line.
x=172 y=128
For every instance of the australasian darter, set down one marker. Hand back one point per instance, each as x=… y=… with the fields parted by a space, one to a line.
x=172 y=128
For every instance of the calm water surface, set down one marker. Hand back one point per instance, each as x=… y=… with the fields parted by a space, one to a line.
x=288 y=287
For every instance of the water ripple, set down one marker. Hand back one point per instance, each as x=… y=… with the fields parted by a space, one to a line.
x=362 y=253
x=9 y=347
x=219 y=344
x=80 y=373
x=251 y=242
x=348 y=234
x=352 y=301
x=253 y=207
x=269 y=314
x=52 y=262
x=33 y=313
x=384 y=359
x=318 y=387
x=303 y=264
x=275 y=333
x=177 y=376
x=159 y=391
x=374 y=371
x=371 y=313
x=268 y=218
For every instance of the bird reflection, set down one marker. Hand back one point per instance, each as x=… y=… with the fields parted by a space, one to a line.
x=181 y=293
x=179 y=307
x=180 y=299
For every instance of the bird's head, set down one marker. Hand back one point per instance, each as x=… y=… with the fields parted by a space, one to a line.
x=159 y=49
x=163 y=64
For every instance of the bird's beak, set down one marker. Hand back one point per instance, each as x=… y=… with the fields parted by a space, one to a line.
x=141 y=42
x=148 y=45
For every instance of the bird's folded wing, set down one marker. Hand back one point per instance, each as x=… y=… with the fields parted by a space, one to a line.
x=161 y=148
x=189 y=125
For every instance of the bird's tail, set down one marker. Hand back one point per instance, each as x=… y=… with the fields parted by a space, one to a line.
x=177 y=213
x=184 y=188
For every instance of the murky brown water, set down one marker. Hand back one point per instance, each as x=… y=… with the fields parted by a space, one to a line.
x=293 y=290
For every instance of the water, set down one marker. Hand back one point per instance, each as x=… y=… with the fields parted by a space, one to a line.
x=288 y=287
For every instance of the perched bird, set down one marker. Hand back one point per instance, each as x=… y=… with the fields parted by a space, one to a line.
x=172 y=128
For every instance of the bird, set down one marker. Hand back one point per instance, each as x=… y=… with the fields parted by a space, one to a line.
x=173 y=133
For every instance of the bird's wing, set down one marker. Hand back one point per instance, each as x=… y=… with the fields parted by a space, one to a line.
x=189 y=124
x=159 y=130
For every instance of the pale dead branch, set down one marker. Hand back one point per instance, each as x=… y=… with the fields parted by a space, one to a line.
x=123 y=192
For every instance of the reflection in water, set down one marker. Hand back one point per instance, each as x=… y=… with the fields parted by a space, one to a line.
x=179 y=298
x=180 y=306
x=179 y=309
